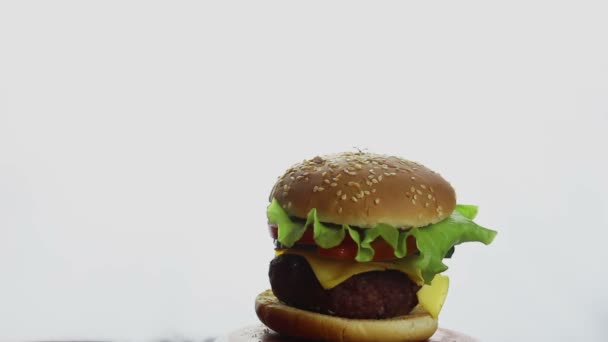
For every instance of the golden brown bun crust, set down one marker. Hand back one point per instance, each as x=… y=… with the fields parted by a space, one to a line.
x=364 y=189
x=290 y=321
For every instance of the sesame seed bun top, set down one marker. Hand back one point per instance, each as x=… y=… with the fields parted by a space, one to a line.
x=364 y=189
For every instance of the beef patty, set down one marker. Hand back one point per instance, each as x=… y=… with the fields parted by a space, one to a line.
x=376 y=294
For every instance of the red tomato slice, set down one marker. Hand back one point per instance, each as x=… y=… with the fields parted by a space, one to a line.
x=347 y=250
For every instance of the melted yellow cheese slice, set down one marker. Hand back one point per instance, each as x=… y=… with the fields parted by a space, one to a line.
x=331 y=272
x=431 y=297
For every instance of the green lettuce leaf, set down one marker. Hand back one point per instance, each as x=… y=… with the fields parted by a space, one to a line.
x=467 y=210
x=434 y=242
x=324 y=236
x=289 y=231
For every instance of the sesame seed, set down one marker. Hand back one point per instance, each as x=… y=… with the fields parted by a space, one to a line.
x=412 y=189
x=305 y=174
x=326 y=181
x=429 y=196
x=413 y=178
x=380 y=178
x=306 y=179
x=375 y=181
x=423 y=186
x=366 y=192
x=333 y=184
x=354 y=199
x=377 y=200
x=373 y=190
x=355 y=184
x=368 y=182
x=413 y=201
x=315 y=189
x=419 y=192
x=358 y=166
x=289 y=205
x=339 y=193
x=343 y=197
x=370 y=176
x=426 y=205
x=359 y=195
x=318 y=160
x=431 y=189
x=340 y=210
x=372 y=171
x=415 y=196
x=320 y=188
x=299 y=177
x=323 y=174
x=292 y=178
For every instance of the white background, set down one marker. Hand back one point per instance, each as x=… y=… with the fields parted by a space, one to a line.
x=139 y=142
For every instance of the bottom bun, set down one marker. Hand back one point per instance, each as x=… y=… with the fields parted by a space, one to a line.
x=290 y=321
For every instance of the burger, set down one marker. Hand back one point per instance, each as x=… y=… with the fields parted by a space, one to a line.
x=360 y=240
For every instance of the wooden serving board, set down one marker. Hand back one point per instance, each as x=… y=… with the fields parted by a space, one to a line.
x=260 y=333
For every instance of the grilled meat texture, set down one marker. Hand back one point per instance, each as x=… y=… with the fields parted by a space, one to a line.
x=370 y=295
